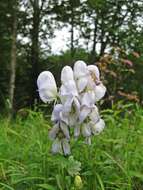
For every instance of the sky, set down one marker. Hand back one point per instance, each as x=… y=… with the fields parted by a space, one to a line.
x=59 y=42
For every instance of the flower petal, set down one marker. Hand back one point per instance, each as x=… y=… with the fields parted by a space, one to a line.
x=86 y=131
x=94 y=71
x=94 y=115
x=80 y=69
x=64 y=117
x=77 y=130
x=82 y=83
x=54 y=131
x=68 y=104
x=68 y=89
x=84 y=113
x=88 y=99
x=98 y=127
x=99 y=91
x=47 y=86
x=56 y=146
x=73 y=119
x=66 y=147
x=66 y=74
x=76 y=105
x=88 y=140
x=56 y=112
x=65 y=130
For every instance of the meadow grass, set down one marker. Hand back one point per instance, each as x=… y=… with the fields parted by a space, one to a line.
x=114 y=161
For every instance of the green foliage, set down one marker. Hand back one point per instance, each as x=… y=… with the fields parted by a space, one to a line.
x=113 y=161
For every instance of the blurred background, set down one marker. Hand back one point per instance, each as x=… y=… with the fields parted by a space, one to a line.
x=37 y=35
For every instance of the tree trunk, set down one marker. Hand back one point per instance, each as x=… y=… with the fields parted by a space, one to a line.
x=13 y=61
x=103 y=39
x=72 y=32
x=35 y=51
x=93 y=52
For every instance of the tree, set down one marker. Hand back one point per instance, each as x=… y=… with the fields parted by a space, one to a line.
x=68 y=12
x=13 y=57
x=109 y=23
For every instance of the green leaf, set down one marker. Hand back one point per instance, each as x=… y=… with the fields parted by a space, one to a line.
x=73 y=167
x=100 y=181
x=46 y=186
x=6 y=186
x=136 y=174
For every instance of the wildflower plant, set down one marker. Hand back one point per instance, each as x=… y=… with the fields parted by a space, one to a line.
x=75 y=112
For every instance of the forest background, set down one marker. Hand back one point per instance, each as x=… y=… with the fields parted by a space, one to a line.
x=108 y=33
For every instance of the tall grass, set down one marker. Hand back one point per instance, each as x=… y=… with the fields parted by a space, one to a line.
x=114 y=161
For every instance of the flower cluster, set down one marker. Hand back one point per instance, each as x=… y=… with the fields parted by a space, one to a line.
x=76 y=112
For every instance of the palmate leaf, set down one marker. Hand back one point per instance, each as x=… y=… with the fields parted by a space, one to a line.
x=73 y=166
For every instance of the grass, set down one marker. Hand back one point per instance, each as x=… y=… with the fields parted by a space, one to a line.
x=114 y=161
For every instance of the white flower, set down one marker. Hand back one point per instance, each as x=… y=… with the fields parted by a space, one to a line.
x=76 y=130
x=69 y=99
x=54 y=131
x=82 y=83
x=94 y=72
x=61 y=146
x=57 y=146
x=94 y=115
x=98 y=127
x=81 y=75
x=66 y=74
x=84 y=112
x=56 y=114
x=72 y=110
x=99 y=91
x=65 y=130
x=47 y=86
x=68 y=89
x=80 y=69
x=88 y=98
x=66 y=147
x=60 y=128
x=86 y=130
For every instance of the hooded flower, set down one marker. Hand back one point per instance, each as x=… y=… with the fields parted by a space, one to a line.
x=80 y=69
x=59 y=130
x=81 y=75
x=94 y=72
x=66 y=74
x=98 y=127
x=68 y=89
x=86 y=130
x=69 y=95
x=99 y=91
x=47 y=86
x=61 y=146
x=94 y=115
x=88 y=99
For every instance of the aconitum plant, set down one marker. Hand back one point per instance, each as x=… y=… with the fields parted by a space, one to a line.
x=75 y=112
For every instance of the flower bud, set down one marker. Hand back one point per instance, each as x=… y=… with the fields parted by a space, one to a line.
x=78 y=182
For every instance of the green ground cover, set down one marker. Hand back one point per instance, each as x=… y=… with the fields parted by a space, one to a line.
x=114 y=161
